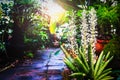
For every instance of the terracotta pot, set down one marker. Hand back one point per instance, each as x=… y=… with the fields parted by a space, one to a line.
x=99 y=46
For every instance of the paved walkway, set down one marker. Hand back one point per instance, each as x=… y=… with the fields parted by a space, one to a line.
x=47 y=65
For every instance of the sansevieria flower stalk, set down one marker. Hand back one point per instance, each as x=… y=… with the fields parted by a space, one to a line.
x=88 y=31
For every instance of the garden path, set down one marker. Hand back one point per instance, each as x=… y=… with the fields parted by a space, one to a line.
x=46 y=65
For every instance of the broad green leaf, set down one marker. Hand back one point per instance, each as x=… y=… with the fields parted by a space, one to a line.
x=52 y=27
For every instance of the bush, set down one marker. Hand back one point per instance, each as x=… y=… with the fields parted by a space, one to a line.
x=114 y=47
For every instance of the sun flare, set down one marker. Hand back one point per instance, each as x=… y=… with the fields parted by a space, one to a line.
x=56 y=13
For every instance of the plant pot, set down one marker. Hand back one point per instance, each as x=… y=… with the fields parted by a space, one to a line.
x=99 y=46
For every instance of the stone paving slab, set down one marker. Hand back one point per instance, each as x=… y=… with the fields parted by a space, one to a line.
x=55 y=77
x=47 y=65
x=56 y=62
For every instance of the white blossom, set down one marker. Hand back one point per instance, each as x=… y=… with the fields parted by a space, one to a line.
x=10 y=30
x=3 y=30
x=6 y=22
x=7 y=17
x=104 y=1
x=0 y=32
x=88 y=31
x=11 y=21
x=114 y=3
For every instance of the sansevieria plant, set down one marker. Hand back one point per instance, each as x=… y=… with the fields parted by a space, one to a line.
x=83 y=68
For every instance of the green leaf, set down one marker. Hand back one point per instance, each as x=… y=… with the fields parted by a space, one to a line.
x=82 y=65
x=84 y=58
x=57 y=52
x=22 y=19
x=98 y=63
x=26 y=2
x=99 y=72
x=107 y=78
x=65 y=52
x=109 y=69
x=79 y=13
x=107 y=56
x=102 y=76
x=78 y=74
x=52 y=27
x=69 y=64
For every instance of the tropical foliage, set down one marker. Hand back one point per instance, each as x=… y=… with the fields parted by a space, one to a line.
x=36 y=37
x=6 y=25
x=108 y=16
x=24 y=10
x=22 y=22
x=32 y=22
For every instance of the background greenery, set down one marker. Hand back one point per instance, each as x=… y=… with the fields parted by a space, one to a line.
x=22 y=26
